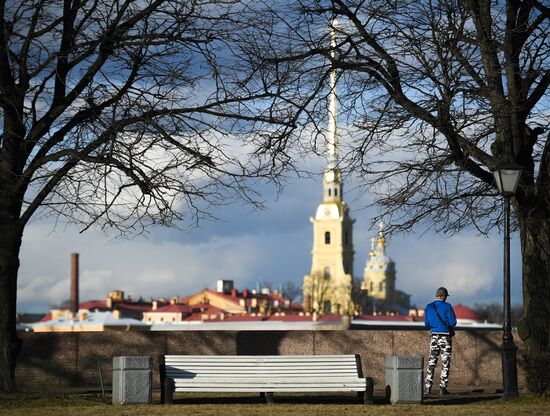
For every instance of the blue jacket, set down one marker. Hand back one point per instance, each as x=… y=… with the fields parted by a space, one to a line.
x=445 y=311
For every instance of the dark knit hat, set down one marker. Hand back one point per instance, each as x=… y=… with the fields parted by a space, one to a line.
x=441 y=292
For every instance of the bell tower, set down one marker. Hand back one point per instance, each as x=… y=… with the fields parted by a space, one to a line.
x=327 y=288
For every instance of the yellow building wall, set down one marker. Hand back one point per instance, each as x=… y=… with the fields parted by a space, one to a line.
x=375 y=277
x=162 y=316
x=216 y=300
x=336 y=257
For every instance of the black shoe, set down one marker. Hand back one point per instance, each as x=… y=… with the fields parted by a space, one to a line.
x=443 y=391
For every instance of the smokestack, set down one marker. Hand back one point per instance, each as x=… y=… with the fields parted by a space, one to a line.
x=74 y=283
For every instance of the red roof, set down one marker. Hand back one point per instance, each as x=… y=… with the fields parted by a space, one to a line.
x=463 y=312
x=143 y=307
x=282 y=318
x=239 y=318
x=46 y=318
x=389 y=318
x=178 y=307
x=94 y=304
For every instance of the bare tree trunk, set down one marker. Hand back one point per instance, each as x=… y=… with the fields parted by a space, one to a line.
x=534 y=328
x=12 y=191
x=10 y=243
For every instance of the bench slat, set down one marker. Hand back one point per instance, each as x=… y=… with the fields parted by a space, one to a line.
x=255 y=360
x=190 y=360
x=260 y=376
x=264 y=374
x=271 y=389
x=240 y=382
x=261 y=365
x=255 y=364
x=264 y=357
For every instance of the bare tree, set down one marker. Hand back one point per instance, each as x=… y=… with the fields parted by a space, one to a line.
x=292 y=291
x=289 y=290
x=436 y=94
x=316 y=290
x=492 y=312
x=122 y=114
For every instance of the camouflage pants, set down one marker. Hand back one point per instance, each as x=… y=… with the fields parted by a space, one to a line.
x=439 y=344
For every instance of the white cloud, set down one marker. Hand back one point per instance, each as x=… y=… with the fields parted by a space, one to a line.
x=147 y=268
x=251 y=247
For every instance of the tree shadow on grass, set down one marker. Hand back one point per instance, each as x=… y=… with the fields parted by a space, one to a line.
x=277 y=398
x=461 y=400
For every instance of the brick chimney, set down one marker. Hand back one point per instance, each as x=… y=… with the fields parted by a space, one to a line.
x=74 y=283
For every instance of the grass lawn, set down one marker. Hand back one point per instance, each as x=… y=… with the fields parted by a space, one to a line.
x=240 y=404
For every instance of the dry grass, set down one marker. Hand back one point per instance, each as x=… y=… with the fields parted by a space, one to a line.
x=236 y=405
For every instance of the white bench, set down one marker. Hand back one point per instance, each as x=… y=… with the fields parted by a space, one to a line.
x=264 y=374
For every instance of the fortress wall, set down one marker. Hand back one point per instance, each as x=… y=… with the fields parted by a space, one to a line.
x=53 y=362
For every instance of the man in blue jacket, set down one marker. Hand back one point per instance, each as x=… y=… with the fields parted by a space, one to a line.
x=440 y=317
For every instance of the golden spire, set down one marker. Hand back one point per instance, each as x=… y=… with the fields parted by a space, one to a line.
x=333 y=150
x=381 y=238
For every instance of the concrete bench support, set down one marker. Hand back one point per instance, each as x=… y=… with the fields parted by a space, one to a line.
x=404 y=375
x=132 y=380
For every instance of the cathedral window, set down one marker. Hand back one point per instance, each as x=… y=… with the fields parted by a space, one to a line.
x=327 y=237
x=326 y=273
x=371 y=287
x=336 y=192
x=329 y=192
x=381 y=287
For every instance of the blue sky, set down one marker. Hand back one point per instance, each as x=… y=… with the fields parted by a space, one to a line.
x=252 y=246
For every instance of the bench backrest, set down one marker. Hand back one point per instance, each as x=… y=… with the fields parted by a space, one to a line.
x=261 y=366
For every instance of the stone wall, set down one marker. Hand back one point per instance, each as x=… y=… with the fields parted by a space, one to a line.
x=53 y=362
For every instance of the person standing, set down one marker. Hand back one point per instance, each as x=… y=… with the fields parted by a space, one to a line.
x=440 y=317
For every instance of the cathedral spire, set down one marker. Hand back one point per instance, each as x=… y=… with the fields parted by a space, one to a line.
x=332 y=254
x=332 y=181
x=333 y=151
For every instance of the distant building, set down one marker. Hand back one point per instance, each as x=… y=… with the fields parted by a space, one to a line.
x=126 y=307
x=221 y=304
x=182 y=312
x=466 y=316
x=379 y=295
x=86 y=321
